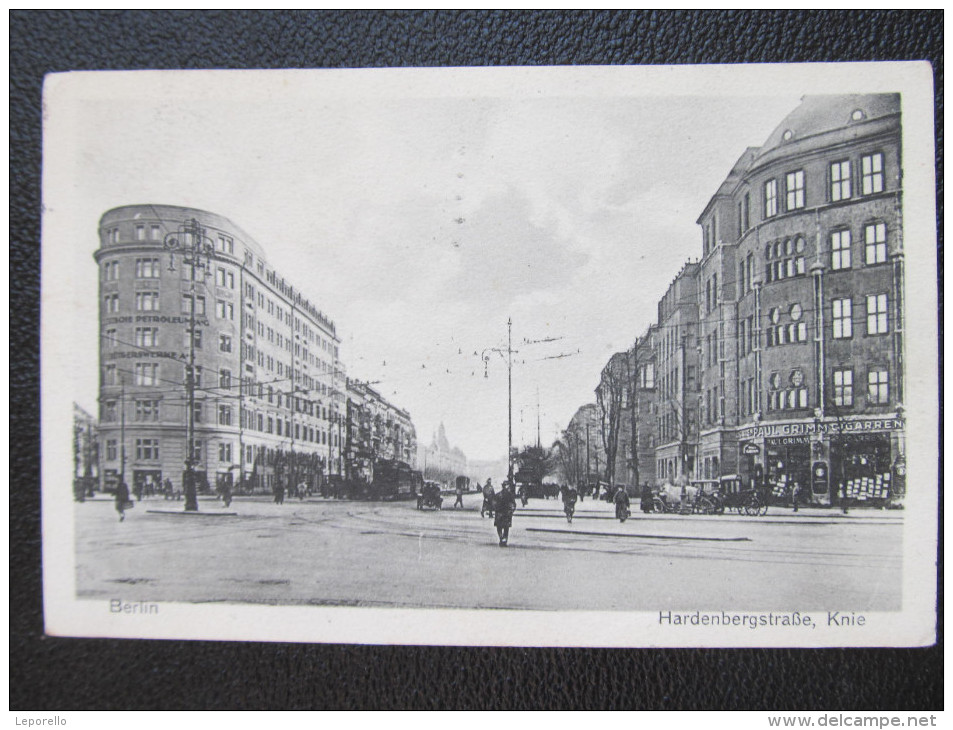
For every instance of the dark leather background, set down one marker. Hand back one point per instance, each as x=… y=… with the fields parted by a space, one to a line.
x=60 y=674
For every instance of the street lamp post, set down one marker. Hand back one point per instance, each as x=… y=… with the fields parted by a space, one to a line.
x=197 y=251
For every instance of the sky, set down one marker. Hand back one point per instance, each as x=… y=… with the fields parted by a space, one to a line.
x=422 y=219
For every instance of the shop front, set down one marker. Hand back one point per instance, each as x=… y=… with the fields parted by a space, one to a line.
x=788 y=469
x=825 y=461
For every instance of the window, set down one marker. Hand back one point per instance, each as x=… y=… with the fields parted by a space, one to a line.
x=198 y=376
x=198 y=412
x=147 y=301
x=112 y=450
x=147 y=449
x=770 y=198
x=785 y=259
x=224 y=310
x=111 y=271
x=114 y=235
x=110 y=375
x=843 y=387
x=109 y=410
x=197 y=450
x=840 y=250
x=225 y=343
x=187 y=304
x=140 y=233
x=746 y=212
x=112 y=337
x=146 y=373
x=224 y=278
x=226 y=244
x=878 y=391
x=843 y=328
x=840 y=181
x=147 y=410
x=196 y=340
x=154 y=232
x=877 y=314
x=111 y=303
x=872 y=174
x=225 y=452
x=875 y=244
x=147 y=268
x=147 y=336
x=794 y=186
x=225 y=379
x=224 y=415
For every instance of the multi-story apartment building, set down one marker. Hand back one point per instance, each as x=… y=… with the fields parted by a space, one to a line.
x=677 y=384
x=268 y=379
x=374 y=429
x=800 y=306
x=639 y=436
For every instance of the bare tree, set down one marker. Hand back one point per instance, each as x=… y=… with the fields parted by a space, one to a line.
x=567 y=449
x=610 y=396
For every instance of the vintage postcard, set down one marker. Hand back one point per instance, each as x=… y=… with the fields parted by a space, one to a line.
x=582 y=356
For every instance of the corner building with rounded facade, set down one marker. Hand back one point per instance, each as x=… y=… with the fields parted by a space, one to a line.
x=268 y=377
x=800 y=307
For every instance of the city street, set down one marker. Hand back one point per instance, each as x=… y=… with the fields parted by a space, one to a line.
x=337 y=553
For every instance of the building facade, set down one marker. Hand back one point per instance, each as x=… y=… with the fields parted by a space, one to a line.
x=677 y=357
x=440 y=461
x=639 y=440
x=268 y=380
x=800 y=307
x=374 y=429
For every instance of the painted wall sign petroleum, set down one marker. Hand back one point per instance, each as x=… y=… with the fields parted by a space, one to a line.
x=854 y=425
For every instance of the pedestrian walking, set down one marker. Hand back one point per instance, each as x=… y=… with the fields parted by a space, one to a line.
x=488 y=495
x=122 y=499
x=459 y=495
x=279 y=492
x=622 y=503
x=795 y=494
x=505 y=507
x=569 y=502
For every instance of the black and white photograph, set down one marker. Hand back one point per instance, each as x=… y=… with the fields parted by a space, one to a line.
x=589 y=356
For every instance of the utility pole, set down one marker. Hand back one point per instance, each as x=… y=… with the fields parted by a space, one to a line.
x=197 y=252
x=587 y=453
x=122 y=429
x=539 y=443
x=509 y=351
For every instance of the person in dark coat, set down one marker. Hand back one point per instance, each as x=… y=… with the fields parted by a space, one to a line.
x=122 y=496
x=505 y=507
x=645 y=499
x=569 y=501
